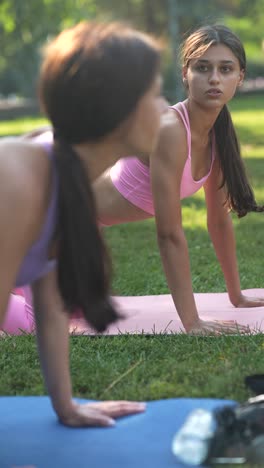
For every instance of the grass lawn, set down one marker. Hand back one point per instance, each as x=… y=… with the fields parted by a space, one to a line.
x=21 y=125
x=138 y=367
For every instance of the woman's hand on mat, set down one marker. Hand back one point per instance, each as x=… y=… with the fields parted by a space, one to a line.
x=217 y=327
x=101 y=413
x=247 y=301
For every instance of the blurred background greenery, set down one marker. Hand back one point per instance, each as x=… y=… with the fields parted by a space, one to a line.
x=26 y=26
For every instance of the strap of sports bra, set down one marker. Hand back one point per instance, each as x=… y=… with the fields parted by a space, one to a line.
x=182 y=111
x=213 y=146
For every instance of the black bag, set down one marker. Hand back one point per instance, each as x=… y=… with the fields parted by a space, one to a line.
x=239 y=433
x=227 y=435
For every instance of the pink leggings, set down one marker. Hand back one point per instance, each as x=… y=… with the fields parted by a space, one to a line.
x=19 y=317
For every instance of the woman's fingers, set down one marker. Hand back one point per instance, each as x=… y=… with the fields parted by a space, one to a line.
x=100 y=414
x=251 y=302
x=218 y=327
x=84 y=415
x=117 y=409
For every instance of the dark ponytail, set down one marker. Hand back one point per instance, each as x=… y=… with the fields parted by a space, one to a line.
x=84 y=265
x=240 y=196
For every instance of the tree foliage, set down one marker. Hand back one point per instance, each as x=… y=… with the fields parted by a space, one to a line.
x=26 y=25
x=24 y=28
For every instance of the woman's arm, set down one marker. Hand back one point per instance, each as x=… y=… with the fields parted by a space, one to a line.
x=166 y=166
x=19 y=226
x=52 y=326
x=220 y=228
x=166 y=172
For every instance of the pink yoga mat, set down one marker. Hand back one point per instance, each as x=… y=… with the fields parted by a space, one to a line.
x=156 y=314
x=142 y=314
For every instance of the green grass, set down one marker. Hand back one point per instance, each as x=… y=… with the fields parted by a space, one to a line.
x=138 y=367
x=21 y=125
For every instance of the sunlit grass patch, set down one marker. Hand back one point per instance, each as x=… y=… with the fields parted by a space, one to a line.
x=21 y=125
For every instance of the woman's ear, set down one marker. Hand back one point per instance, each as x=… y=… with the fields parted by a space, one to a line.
x=184 y=77
x=184 y=74
x=241 y=78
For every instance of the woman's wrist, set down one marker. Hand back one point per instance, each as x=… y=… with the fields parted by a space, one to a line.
x=235 y=298
x=65 y=409
x=190 y=324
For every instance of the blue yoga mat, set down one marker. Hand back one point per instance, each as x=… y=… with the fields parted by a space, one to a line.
x=30 y=436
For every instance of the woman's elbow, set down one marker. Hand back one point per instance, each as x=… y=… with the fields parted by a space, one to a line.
x=168 y=238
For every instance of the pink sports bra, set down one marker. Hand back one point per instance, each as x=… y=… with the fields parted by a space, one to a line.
x=131 y=177
x=188 y=185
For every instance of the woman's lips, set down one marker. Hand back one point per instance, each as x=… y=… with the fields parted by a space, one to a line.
x=214 y=92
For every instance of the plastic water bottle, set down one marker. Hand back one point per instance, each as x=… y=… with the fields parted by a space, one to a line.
x=192 y=442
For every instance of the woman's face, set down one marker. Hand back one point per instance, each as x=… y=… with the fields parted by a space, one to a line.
x=142 y=126
x=212 y=79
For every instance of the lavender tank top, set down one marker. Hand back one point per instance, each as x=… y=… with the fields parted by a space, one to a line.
x=35 y=263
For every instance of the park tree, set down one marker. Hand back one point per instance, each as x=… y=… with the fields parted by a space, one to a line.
x=24 y=28
x=26 y=25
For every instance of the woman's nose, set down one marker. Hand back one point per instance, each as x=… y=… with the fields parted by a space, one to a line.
x=214 y=76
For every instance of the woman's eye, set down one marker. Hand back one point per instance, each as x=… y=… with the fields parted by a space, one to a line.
x=225 y=69
x=202 y=68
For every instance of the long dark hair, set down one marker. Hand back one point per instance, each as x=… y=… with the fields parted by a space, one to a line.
x=91 y=79
x=240 y=196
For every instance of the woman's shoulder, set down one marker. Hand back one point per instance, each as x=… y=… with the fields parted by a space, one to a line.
x=171 y=123
x=172 y=132
x=24 y=172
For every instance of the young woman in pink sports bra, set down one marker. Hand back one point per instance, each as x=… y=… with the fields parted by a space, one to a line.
x=197 y=148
